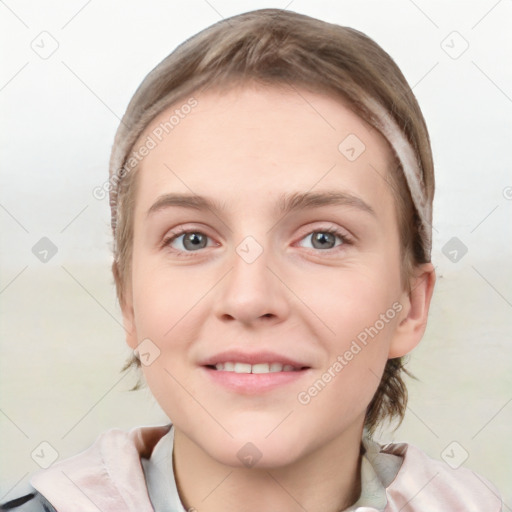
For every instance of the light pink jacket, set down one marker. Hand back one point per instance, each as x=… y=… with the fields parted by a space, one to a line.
x=108 y=476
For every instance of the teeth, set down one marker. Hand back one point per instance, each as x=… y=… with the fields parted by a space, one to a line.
x=260 y=368
x=255 y=368
x=242 y=368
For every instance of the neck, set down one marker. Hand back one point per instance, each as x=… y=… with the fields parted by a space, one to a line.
x=326 y=479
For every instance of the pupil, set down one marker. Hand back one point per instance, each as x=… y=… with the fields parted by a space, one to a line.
x=323 y=237
x=195 y=240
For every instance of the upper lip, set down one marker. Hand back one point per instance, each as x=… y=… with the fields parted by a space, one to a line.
x=237 y=356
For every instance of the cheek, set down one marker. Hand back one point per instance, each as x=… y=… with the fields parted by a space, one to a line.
x=357 y=353
x=358 y=313
x=161 y=296
x=165 y=308
x=168 y=304
x=349 y=301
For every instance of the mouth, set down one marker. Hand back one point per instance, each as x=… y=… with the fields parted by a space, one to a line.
x=260 y=368
x=254 y=373
x=254 y=379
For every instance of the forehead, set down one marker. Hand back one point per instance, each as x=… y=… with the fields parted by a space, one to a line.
x=252 y=141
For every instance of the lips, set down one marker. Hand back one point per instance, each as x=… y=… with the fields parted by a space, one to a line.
x=256 y=362
x=232 y=366
x=245 y=373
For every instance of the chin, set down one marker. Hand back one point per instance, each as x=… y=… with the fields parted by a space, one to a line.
x=257 y=444
x=257 y=455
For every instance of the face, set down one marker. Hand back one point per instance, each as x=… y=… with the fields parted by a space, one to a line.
x=265 y=232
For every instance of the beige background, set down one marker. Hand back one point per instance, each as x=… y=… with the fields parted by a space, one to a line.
x=61 y=340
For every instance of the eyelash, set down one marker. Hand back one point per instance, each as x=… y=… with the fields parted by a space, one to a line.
x=345 y=239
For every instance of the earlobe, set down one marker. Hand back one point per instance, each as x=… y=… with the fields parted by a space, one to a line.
x=411 y=327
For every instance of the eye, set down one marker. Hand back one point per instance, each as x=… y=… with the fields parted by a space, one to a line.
x=324 y=238
x=183 y=241
x=190 y=241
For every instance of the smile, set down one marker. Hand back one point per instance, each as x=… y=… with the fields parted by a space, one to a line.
x=254 y=379
x=236 y=367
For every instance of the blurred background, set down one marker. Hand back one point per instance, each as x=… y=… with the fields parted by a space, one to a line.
x=68 y=73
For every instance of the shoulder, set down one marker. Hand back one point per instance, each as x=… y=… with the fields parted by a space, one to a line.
x=110 y=468
x=424 y=483
x=31 y=502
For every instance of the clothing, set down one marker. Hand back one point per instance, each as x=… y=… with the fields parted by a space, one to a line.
x=163 y=492
x=32 y=502
x=132 y=471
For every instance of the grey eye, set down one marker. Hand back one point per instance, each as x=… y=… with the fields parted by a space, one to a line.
x=322 y=240
x=193 y=240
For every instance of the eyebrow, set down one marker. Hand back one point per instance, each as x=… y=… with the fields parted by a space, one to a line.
x=287 y=203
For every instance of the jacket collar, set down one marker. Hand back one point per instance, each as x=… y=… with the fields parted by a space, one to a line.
x=108 y=476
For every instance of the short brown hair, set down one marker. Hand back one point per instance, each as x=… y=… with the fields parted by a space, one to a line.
x=277 y=47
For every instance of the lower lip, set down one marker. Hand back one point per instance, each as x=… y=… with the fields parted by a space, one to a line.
x=253 y=383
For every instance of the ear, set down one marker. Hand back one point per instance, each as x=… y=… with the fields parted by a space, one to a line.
x=413 y=319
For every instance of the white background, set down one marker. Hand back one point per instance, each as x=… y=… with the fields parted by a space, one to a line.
x=61 y=338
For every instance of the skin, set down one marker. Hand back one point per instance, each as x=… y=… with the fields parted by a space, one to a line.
x=244 y=148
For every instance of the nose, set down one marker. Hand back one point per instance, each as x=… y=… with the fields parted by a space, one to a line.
x=253 y=290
